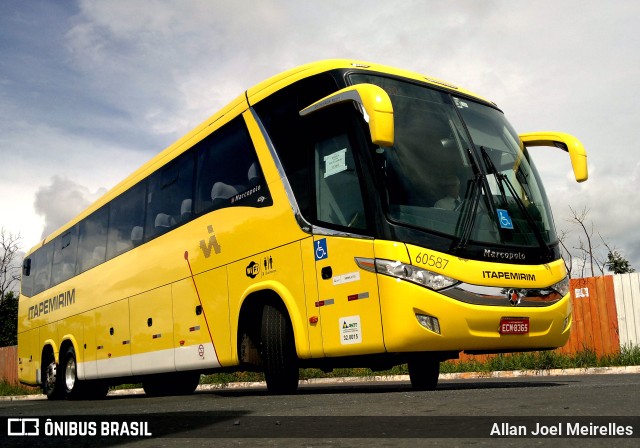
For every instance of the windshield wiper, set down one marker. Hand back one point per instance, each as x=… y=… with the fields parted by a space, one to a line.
x=469 y=210
x=502 y=179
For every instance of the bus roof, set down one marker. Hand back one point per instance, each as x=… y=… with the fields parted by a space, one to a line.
x=277 y=82
x=236 y=107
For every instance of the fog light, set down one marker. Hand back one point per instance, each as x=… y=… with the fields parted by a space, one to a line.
x=429 y=322
x=567 y=322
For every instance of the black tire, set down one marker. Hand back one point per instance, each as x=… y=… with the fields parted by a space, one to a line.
x=184 y=383
x=75 y=389
x=180 y=383
x=424 y=373
x=68 y=373
x=278 y=352
x=153 y=387
x=52 y=385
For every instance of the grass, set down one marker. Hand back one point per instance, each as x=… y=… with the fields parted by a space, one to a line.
x=546 y=360
x=7 y=389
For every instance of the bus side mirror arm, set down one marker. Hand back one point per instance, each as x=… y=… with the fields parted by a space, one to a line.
x=567 y=143
x=375 y=105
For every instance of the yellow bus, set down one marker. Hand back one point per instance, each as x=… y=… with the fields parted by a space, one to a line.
x=338 y=214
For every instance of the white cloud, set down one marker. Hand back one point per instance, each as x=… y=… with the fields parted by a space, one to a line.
x=61 y=200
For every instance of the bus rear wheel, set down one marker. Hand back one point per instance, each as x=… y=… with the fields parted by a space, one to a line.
x=278 y=352
x=52 y=385
x=69 y=374
x=75 y=389
x=424 y=373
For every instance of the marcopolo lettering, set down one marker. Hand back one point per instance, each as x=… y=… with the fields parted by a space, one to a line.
x=488 y=253
x=52 y=304
x=245 y=194
x=509 y=275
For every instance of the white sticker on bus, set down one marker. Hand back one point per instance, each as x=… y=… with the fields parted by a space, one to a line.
x=350 y=330
x=346 y=278
x=335 y=163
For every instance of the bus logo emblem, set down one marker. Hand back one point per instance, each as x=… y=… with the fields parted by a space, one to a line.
x=213 y=244
x=514 y=297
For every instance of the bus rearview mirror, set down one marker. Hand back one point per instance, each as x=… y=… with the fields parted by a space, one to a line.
x=374 y=103
x=567 y=143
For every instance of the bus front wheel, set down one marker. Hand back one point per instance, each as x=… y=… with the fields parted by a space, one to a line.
x=278 y=352
x=423 y=373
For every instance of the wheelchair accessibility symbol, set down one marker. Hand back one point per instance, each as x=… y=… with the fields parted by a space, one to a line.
x=505 y=219
x=320 y=247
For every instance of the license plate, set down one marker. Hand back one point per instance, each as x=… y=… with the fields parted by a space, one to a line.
x=514 y=325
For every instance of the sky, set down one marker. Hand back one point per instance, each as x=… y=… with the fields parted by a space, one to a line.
x=90 y=90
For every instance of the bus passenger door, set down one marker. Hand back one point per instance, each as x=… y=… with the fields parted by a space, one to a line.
x=348 y=296
x=348 y=302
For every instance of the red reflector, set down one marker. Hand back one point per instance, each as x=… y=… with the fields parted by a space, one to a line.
x=514 y=325
x=313 y=320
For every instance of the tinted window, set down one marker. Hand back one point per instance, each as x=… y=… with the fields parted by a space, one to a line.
x=126 y=220
x=64 y=256
x=170 y=197
x=290 y=132
x=26 y=283
x=337 y=186
x=92 y=240
x=317 y=152
x=228 y=170
x=42 y=272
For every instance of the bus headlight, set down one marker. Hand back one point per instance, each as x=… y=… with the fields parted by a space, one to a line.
x=562 y=287
x=413 y=274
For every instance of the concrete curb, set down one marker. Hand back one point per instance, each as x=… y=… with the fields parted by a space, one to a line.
x=383 y=378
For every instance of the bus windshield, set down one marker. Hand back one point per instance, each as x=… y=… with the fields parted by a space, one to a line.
x=457 y=168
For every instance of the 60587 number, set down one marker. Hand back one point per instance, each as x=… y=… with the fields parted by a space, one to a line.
x=431 y=260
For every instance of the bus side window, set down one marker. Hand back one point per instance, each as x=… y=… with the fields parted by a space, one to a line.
x=42 y=274
x=169 y=200
x=290 y=133
x=228 y=173
x=26 y=282
x=64 y=256
x=126 y=213
x=92 y=240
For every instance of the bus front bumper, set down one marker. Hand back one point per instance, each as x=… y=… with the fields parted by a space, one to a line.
x=464 y=326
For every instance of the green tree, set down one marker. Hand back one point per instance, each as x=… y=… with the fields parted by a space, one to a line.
x=9 y=320
x=617 y=264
